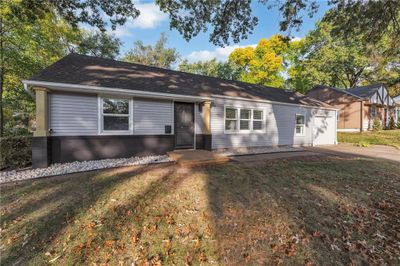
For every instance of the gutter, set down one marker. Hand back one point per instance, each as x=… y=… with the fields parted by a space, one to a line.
x=97 y=89
x=274 y=102
x=28 y=91
x=158 y=95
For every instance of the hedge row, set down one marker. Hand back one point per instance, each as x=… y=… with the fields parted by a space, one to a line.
x=15 y=152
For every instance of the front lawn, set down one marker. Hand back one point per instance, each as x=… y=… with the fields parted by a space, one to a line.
x=299 y=211
x=383 y=137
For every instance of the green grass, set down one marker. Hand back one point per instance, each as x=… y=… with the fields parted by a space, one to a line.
x=364 y=139
x=317 y=210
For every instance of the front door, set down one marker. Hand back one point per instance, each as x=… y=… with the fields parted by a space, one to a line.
x=184 y=125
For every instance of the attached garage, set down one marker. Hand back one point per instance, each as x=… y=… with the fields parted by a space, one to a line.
x=324 y=130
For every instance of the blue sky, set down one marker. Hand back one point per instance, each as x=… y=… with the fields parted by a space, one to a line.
x=152 y=22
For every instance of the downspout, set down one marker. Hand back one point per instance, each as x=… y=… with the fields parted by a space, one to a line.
x=362 y=116
x=28 y=91
x=336 y=116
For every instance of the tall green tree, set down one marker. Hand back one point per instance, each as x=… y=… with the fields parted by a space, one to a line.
x=26 y=47
x=324 y=57
x=228 y=20
x=158 y=55
x=98 y=44
x=263 y=64
x=211 y=68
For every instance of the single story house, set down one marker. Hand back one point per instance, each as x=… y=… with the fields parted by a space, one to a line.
x=359 y=106
x=397 y=101
x=94 y=108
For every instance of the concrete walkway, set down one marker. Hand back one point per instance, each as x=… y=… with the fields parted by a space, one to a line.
x=345 y=149
x=272 y=156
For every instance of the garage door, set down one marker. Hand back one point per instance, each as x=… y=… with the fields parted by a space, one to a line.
x=324 y=130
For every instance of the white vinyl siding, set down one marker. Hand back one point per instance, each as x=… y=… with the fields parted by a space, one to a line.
x=279 y=123
x=73 y=114
x=78 y=115
x=151 y=116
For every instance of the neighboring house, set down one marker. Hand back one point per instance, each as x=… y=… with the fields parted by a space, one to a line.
x=359 y=106
x=397 y=101
x=92 y=108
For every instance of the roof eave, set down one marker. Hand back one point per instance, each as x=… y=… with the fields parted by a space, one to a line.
x=104 y=90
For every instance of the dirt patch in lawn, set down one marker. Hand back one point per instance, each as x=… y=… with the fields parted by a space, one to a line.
x=304 y=211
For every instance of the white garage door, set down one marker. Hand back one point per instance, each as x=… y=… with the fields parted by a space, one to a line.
x=324 y=130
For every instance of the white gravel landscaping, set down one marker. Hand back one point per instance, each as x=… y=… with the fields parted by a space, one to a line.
x=75 y=167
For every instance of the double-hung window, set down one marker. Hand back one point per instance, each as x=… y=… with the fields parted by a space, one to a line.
x=258 y=119
x=300 y=127
x=243 y=120
x=231 y=118
x=373 y=110
x=116 y=115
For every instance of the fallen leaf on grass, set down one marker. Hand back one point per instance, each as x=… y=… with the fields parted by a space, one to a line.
x=56 y=258
x=202 y=257
x=246 y=257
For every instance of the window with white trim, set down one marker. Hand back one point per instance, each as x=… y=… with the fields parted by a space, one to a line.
x=258 y=119
x=300 y=125
x=115 y=115
x=231 y=119
x=243 y=119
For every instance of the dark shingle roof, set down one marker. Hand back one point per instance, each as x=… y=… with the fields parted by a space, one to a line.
x=94 y=71
x=365 y=91
x=347 y=92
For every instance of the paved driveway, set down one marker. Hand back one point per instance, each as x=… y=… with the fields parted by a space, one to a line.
x=343 y=150
x=374 y=151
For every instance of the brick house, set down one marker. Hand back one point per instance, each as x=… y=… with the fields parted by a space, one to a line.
x=358 y=106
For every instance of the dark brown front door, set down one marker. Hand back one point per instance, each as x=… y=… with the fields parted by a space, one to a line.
x=184 y=125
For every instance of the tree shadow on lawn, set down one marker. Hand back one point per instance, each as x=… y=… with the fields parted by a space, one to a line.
x=30 y=223
x=310 y=210
x=313 y=210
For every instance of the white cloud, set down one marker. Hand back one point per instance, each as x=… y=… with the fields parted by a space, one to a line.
x=296 y=39
x=150 y=17
x=220 y=53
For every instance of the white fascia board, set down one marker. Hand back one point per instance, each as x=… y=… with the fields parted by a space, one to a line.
x=273 y=102
x=117 y=91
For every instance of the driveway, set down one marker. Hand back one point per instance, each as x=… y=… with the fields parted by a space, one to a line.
x=342 y=150
x=374 y=151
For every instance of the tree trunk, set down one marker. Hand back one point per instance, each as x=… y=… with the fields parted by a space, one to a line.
x=1 y=78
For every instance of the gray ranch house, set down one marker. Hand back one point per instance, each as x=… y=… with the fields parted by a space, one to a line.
x=94 y=108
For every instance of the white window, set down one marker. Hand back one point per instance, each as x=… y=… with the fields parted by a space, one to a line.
x=245 y=119
x=258 y=120
x=300 y=120
x=231 y=119
x=116 y=115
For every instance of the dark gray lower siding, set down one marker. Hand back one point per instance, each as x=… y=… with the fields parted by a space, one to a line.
x=41 y=152
x=203 y=141
x=82 y=148
x=63 y=149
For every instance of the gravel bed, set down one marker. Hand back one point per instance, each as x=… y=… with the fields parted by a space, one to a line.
x=249 y=151
x=75 y=167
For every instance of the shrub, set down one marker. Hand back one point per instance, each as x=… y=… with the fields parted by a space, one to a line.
x=15 y=152
x=377 y=125
x=392 y=124
x=363 y=143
